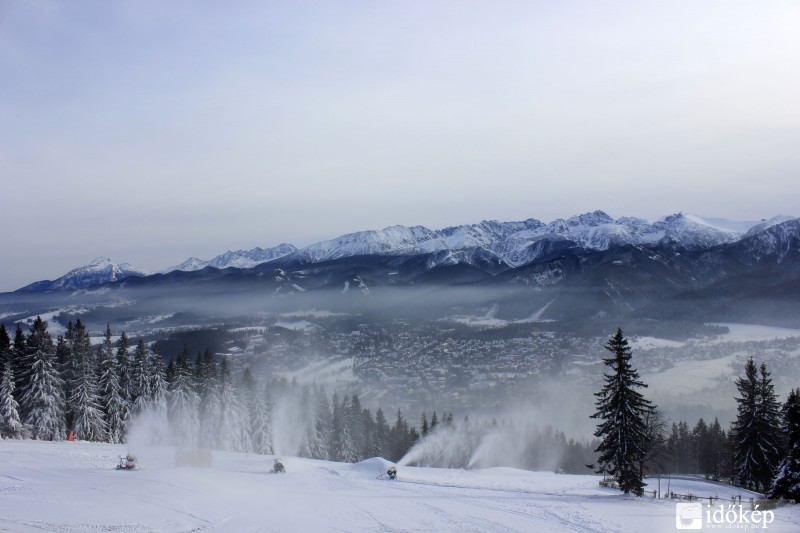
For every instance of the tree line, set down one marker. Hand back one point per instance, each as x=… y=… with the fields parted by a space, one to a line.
x=52 y=389
x=760 y=451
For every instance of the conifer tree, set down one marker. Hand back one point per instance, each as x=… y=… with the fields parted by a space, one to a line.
x=183 y=403
x=125 y=365
x=344 y=449
x=18 y=365
x=622 y=410
x=261 y=423
x=140 y=378
x=207 y=382
x=110 y=390
x=378 y=442
x=319 y=442
x=42 y=401
x=757 y=448
x=233 y=426
x=10 y=424
x=787 y=480
x=358 y=429
x=159 y=387
x=65 y=351
x=5 y=349
x=88 y=419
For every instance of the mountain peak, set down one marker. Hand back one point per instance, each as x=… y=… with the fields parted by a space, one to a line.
x=100 y=270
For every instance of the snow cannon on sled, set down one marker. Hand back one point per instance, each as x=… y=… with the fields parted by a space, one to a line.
x=392 y=472
x=128 y=462
x=278 y=467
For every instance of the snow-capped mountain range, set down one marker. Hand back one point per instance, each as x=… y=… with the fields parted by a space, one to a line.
x=99 y=271
x=508 y=244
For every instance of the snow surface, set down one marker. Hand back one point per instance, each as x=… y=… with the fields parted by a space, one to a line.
x=72 y=487
x=688 y=377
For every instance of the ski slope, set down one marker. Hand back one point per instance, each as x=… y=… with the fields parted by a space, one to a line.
x=71 y=487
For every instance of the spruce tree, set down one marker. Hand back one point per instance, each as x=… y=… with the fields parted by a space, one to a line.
x=622 y=409
x=125 y=366
x=787 y=480
x=10 y=424
x=88 y=419
x=140 y=377
x=5 y=349
x=159 y=387
x=378 y=442
x=42 y=401
x=756 y=429
x=233 y=426
x=344 y=448
x=319 y=442
x=112 y=403
x=18 y=363
x=207 y=381
x=183 y=403
x=261 y=423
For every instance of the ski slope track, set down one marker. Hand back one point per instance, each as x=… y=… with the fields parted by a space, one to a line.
x=73 y=486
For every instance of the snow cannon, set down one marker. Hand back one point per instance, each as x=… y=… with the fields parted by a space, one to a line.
x=278 y=468
x=128 y=462
x=392 y=472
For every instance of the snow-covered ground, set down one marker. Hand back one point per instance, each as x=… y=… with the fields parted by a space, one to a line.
x=46 y=486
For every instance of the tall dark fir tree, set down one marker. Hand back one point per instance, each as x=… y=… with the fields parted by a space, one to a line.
x=622 y=410
x=756 y=430
x=787 y=481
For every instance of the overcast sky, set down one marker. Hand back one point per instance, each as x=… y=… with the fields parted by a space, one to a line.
x=151 y=131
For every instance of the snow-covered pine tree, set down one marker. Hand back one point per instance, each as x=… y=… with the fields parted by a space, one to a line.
x=110 y=390
x=42 y=402
x=140 y=379
x=344 y=449
x=65 y=351
x=19 y=366
x=88 y=419
x=10 y=424
x=358 y=429
x=125 y=365
x=207 y=381
x=159 y=387
x=234 y=426
x=5 y=348
x=182 y=405
x=261 y=423
x=787 y=480
x=622 y=410
x=378 y=438
x=320 y=442
x=757 y=450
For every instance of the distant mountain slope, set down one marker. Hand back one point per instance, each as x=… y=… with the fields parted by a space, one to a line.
x=98 y=272
x=625 y=262
x=237 y=259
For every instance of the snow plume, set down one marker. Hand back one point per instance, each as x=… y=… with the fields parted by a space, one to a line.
x=445 y=446
x=516 y=443
x=290 y=423
x=147 y=437
x=520 y=444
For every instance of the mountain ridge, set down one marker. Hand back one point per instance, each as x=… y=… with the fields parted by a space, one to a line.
x=490 y=245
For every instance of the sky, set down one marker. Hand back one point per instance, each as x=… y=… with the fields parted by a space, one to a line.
x=149 y=131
